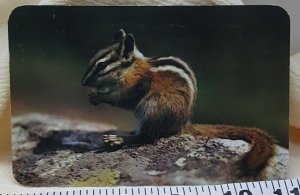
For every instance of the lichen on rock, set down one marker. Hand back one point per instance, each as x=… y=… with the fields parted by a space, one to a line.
x=56 y=151
x=104 y=178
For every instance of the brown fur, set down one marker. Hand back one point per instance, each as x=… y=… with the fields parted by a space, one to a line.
x=170 y=84
x=162 y=101
x=173 y=90
x=134 y=73
x=174 y=93
x=262 y=144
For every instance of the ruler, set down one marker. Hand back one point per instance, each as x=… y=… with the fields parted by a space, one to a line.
x=277 y=187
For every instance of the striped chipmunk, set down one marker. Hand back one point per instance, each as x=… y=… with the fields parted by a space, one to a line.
x=161 y=92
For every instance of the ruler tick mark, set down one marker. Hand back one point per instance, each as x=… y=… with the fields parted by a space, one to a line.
x=273 y=185
x=287 y=191
x=222 y=189
x=247 y=186
x=209 y=190
x=235 y=189
x=266 y=184
x=196 y=190
x=260 y=187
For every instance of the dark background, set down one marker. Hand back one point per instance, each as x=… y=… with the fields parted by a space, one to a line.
x=240 y=56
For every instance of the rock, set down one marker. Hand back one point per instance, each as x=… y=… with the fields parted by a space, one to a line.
x=56 y=151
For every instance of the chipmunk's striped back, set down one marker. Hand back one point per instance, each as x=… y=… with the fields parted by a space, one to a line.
x=179 y=67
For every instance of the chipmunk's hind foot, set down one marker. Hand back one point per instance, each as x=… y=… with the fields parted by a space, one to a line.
x=114 y=140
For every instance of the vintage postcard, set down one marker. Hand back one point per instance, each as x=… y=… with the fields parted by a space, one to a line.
x=128 y=96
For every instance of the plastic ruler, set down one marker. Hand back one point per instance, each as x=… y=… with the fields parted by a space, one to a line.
x=277 y=187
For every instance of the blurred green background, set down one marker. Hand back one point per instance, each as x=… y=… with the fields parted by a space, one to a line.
x=240 y=56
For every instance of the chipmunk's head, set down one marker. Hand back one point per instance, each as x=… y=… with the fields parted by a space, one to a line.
x=106 y=67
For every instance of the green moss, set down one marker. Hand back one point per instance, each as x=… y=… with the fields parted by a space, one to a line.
x=105 y=177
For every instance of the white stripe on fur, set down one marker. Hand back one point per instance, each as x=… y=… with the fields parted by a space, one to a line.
x=181 y=73
x=102 y=60
x=182 y=63
x=110 y=67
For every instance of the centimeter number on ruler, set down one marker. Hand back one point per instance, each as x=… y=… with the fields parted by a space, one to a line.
x=276 y=187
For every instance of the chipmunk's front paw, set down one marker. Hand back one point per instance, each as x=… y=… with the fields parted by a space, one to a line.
x=113 y=140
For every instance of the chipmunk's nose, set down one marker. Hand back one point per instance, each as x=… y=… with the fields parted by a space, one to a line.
x=84 y=82
x=88 y=76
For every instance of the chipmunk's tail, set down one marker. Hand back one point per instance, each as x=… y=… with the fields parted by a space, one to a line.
x=262 y=144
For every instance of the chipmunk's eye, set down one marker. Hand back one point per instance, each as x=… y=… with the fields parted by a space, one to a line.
x=126 y=64
x=100 y=67
x=101 y=64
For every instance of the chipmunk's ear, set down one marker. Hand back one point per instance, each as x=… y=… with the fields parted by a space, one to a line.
x=127 y=46
x=119 y=36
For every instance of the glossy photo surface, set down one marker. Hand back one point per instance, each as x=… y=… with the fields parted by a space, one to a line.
x=114 y=96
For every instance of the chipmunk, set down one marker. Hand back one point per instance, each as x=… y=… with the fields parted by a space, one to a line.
x=161 y=92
